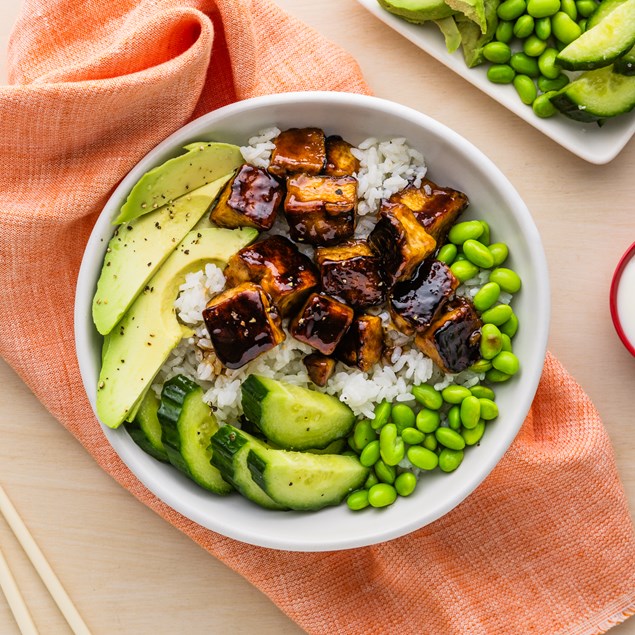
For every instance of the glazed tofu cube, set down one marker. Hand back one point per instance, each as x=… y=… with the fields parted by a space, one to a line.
x=415 y=302
x=452 y=341
x=436 y=208
x=298 y=150
x=242 y=324
x=321 y=210
x=319 y=367
x=275 y=263
x=400 y=241
x=363 y=343
x=322 y=323
x=250 y=199
x=339 y=158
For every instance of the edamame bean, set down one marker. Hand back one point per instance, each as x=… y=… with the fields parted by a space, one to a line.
x=403 y=416
x=449 y=459
x=382 y=495
x=500 y=74
x=527 y=92
x=496 y=376
x=585 y=7
x=447 y=254
x=422 y=458
x=569 y=7
x=582 y=24
x=430 y=442
x=497 y=315
x=547 y=85
x=487 y=296
x=382 y=414
x=461 y=232
x=500 y=251
x=548 y=65
x=427 y=420
x=391 y=446
x=511 y=326
x=543 y=107
x=482 y=366
x=405 y=483
x=454 y=417
x=484 y=238
x=534 y=46
x=511 y=9
x=489 y=409
x=470 y=411
x=505 y=31
x=455 y=394
x=460 y=256
x=524 y=64
x=412 y=436
x=385 y=473
x=483 y=392
x=363 y=434
x=427 y=396
x=507 y=279
x=371 y=480
x=350 y=453
x=477 y=253
x=507 y=342
x=463 y=269
x=474 y=435
x=542 y=28
x=564 y=28
x=524 y=26
x=358 y=500
x=497 y=52
x=370 y=454
x=449 y=438
x=543 y=8
x=506 y=362
x=491 y=342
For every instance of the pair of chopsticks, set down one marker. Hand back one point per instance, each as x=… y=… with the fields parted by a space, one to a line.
x=52 y=583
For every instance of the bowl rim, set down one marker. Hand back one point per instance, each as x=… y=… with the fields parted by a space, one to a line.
x=627 y=256
x=538 y=263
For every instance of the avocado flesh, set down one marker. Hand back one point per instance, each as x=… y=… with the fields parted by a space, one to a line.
x=204 y=163
x=418 y=11
x=145 y=336
x=141 y=246
x=450 y=32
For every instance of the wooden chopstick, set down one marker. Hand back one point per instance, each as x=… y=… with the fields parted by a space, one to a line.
x=15 y=599
x=43 y=569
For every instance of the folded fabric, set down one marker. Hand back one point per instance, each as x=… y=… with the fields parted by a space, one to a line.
x=545 y=545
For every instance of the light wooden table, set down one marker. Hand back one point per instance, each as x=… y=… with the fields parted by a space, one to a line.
x=129 y=571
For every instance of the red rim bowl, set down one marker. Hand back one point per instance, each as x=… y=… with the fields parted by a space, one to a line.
x=615 y=283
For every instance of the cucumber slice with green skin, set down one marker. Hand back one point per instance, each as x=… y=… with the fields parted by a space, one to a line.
x=604 y=8
x=145 y=429
x=625 y=65
x=303 y=481
x=605 y=42
x=292 y=417
x=596 y=95
x=188 y=425
x=230 y=448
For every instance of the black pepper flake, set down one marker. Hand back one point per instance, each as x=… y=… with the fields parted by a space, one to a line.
x=129 y=228
x=149 y=264
x=339 y=192
x=187 y=252
x=108 y=264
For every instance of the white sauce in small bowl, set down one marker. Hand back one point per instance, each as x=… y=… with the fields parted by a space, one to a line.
x=626 y=301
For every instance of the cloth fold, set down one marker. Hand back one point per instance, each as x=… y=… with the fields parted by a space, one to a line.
x=545 y=545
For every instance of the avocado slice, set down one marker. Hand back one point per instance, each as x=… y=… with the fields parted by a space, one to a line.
x=202 y=164
x=140 y=247
x=451 y=33
x=418 y=11
x=148 y=332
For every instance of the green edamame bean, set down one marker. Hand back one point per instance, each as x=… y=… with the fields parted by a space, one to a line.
x=491 y=342
x=497 y=315
x=511 y=9
x=542 y=28
x=461 y=232
x=382 y=414
x=511 y=326
x=507 y=343
x=486 y=296
x=427 y=420
x=449 y=459
x=447 y=254
x=534 y=46
x=507 y=279
x=585 y=7
x=543 y=107
x=564 y=28
x=371 y=480
x=505 y=31
x=449 y=438
x=506 y=362
x=477 y=253
x=454 y=417
x=422 y=458
x=405 y=483
x=470 y=411
x=569 y=7
x=497 y=52
x=484 y=238
x=363 y=434
x=526 y=90
x=351 y=444
x=501 y=74
x=483 y=392
x=349 y=453
x=385 y=473
x=489 y=409
x=460 y=256
x=391 y=446
x=496 y=376
x=382 y=495
x=547 y=85
x=482 y=366
x=524 y=26
x=474 y=435
x=582 y=24
x=370 y=454
x=543 y=8
x=547 y=63
x=499 y=251
x=455 y=394
x=427 y=396
x=524 y=64
x=412 y=436
x=358 y=500
x=430 y=442
x=463 y=269
x=403 y=416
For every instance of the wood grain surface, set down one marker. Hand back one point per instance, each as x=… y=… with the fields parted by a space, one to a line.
x=130 y=572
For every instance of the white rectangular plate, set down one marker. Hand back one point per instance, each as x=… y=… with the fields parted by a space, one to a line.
x=588 y=141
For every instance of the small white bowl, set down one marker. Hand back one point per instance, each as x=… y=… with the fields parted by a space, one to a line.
x=451 y=161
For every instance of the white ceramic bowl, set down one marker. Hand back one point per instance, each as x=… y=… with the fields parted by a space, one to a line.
x=451 y=161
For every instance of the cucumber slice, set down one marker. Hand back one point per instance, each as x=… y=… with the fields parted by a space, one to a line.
x=604 y=8
x=188 y=426
x=230 y=448
x=625 y=65
x=292 y=417
x=605 y=42
x=305 y=481
x=596 y=95
x=145 y=429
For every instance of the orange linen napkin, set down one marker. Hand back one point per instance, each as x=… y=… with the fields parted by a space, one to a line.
x=544 y=546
